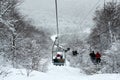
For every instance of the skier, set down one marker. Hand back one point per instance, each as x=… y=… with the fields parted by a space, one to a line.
x=93 y=57
x=67 y=50
x=98 y=57
x=74 y=53
x=58 y=55
x=55 y=60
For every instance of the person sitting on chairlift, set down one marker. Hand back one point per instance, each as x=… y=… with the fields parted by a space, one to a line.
x=98 y=57
x=93 y=57
x=67 y=50
x=74 y=53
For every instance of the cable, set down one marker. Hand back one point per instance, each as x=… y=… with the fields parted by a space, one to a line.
x=89 y=13
x=56 y=8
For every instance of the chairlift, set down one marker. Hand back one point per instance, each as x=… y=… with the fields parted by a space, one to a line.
x=74 y=53
x=58 y=54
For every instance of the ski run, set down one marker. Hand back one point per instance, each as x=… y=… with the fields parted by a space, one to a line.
x=57 y=73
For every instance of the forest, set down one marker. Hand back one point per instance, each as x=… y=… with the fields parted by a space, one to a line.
x=23 y=45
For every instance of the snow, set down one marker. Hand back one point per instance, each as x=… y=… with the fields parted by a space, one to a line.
x=58 y=73
x=53 y=37
x=8 y=24
x=54 y=72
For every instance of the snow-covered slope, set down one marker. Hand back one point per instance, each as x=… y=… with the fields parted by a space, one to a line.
x=58 y=73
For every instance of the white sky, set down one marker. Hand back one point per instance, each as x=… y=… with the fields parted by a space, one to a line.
x=71 y=12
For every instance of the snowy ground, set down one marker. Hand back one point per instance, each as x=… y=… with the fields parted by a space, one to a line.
x=58 y=73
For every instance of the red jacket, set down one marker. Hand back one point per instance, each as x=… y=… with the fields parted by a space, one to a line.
x=98 y=55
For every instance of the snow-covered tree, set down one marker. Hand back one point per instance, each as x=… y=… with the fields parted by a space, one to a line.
x=21 y=43
x=112 y=59
x=107 y=27
x=105 y=34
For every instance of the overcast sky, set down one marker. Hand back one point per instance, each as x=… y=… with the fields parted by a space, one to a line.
x=71 y=12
